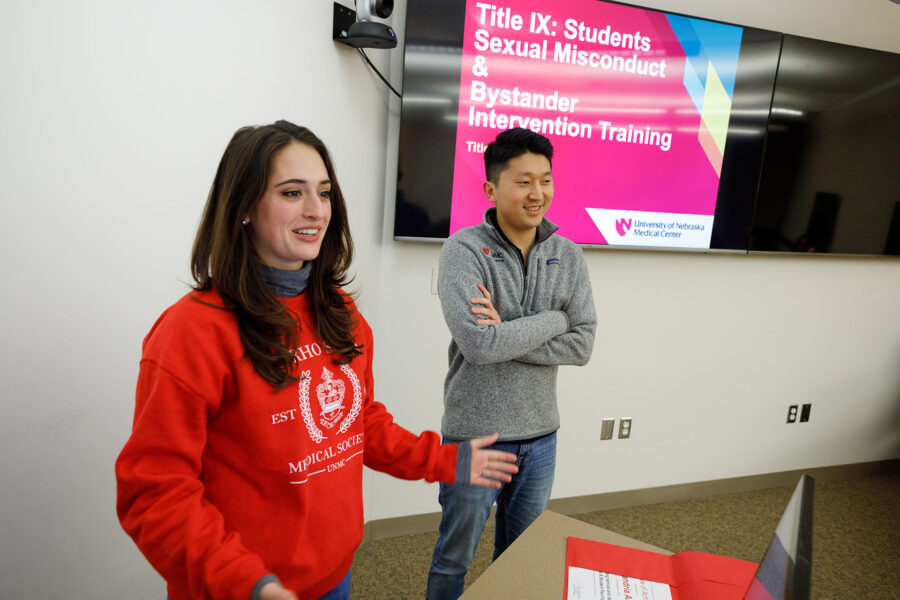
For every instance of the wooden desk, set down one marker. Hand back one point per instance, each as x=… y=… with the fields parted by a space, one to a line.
x=533 y=567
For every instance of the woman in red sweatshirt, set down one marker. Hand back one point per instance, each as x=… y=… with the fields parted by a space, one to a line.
x=254 y=413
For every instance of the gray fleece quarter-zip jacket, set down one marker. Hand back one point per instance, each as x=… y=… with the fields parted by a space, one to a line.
x=503 y=377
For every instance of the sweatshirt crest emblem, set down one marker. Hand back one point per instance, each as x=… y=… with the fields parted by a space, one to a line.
x=331 y=399
x=486 y=250
x=330 y=394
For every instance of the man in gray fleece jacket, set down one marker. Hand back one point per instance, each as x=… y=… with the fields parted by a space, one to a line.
x=518 y=302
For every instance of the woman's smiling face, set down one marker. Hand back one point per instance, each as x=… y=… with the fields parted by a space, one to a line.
x=289 y=222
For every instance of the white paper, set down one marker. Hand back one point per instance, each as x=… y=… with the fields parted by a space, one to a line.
x=585 y=584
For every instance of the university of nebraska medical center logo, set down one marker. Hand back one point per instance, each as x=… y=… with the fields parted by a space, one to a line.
x=330 y=395
x=622 y=226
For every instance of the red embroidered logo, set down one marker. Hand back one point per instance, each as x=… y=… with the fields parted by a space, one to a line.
x=486 y=251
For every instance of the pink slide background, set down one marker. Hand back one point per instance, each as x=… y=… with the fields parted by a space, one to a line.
x=591 y=172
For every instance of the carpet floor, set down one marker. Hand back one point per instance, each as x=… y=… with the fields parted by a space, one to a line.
x=856 y=539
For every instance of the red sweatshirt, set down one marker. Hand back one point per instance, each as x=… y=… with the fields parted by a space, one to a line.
x=225 y=479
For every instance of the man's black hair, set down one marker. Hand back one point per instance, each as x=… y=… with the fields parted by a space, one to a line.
x=510 y=144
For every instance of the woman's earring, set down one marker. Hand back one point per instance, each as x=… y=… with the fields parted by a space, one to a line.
x=245 y=221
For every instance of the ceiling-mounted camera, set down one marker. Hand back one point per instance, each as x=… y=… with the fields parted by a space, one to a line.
x=359 y=30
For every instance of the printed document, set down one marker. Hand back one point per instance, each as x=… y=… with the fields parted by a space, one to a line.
x=585 y=584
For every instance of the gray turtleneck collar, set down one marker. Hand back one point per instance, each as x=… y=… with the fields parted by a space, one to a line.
x=286 y=283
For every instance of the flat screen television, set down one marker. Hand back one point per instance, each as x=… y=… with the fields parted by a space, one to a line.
x=658 y=120
x=830 y=180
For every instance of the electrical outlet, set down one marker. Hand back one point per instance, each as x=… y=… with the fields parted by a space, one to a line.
x=804 y=413
x=625 y=428
x=606 y=429
x=792 y=413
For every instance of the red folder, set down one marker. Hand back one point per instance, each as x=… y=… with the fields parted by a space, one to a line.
x=690 y=575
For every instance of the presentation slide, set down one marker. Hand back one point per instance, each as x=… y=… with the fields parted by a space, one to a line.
x=636 y=103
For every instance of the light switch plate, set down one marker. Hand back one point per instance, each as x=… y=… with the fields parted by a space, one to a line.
x=606 y=429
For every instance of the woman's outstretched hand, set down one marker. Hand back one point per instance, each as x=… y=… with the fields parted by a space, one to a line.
x=490 y=467
x=274 y=591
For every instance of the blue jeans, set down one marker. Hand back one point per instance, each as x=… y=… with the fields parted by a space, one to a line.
x=341 y=591
x=466 y=508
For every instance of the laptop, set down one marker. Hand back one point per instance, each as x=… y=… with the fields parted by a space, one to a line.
x=601 y=571
x=785 y=569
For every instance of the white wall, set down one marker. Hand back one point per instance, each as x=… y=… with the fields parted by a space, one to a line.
x=113 y=117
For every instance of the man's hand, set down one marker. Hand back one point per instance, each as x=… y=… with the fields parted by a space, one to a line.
x=490 y=467
x=484 y=307
x=274 y=591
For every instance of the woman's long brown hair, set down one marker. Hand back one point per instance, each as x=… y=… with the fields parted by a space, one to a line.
x=223 y=256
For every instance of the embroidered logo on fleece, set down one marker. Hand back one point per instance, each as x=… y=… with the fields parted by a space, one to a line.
x=493 y=254
x=552 y=261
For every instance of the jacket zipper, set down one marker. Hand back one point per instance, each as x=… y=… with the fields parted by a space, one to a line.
x=522 y=264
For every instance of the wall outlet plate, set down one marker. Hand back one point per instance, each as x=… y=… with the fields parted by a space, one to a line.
x=625 y=428
x=606 y=429
x=792 y=413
